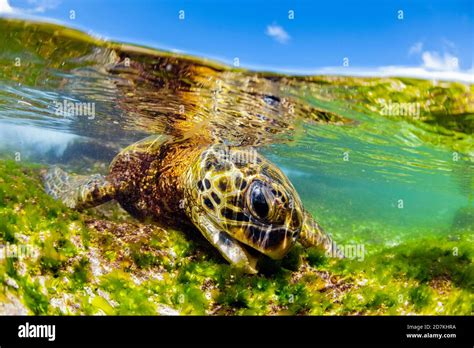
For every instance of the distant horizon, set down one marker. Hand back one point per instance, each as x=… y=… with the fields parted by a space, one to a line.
x=450 y=62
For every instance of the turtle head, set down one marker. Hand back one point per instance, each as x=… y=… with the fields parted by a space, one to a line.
x=246 y=196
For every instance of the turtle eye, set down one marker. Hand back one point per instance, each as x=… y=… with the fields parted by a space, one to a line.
x=259 y=204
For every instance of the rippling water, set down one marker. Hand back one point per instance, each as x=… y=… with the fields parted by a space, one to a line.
x=366 y=176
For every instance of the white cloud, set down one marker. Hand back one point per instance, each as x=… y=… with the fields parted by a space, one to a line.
x=278 y=33
x=466 y=76
x=416 y=48
x=41 y=6
x=5 y=7
x=433 y=60
x=38 y=6
x=401 y=71
x=434 y=66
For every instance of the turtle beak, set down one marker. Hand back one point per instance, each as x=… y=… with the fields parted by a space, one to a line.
x=279 y=252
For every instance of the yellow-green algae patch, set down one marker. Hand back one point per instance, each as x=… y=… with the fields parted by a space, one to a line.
x=60 y=261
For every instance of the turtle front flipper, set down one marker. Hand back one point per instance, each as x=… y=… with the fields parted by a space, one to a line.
x=227 y=246
x=78 y=191
x=312 y=235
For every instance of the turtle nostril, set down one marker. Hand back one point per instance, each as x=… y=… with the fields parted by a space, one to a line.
x=296 y=234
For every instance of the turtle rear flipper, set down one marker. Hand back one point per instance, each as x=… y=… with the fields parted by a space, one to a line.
x=78 y=191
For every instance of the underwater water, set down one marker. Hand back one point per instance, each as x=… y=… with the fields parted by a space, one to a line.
x=385 y=165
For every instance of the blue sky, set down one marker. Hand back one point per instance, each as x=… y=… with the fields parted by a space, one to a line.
x=432 y=36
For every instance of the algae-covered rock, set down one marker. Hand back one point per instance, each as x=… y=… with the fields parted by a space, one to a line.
x=59 y=261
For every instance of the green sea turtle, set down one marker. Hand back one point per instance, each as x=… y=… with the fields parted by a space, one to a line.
x=241 y=202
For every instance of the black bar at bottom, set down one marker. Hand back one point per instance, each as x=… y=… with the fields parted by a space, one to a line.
x=291 y=331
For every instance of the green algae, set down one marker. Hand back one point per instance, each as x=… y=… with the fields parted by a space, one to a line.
x=101 y=261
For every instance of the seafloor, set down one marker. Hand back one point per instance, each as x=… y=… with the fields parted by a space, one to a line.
x=102 y=262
